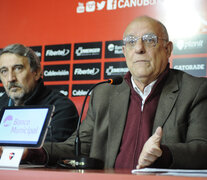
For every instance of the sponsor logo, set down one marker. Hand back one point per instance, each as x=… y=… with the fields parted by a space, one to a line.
x=113 y=49
x=61 y=88
x=92 y=6
x=56 y=72
x=37 y=50
x=86 y=71
x=190 y=67
x=80 y=89
x=92 y=71
x=57 y=52
x=88 y=50
x=115 y=69
x=2 y=91
x=183 y=45
x=194 y=45
x=193 y=66
x=11 y=155
x=1 y=94
x=7 y=121
x=63 y=52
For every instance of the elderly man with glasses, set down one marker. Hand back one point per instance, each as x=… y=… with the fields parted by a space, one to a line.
x=156 y=118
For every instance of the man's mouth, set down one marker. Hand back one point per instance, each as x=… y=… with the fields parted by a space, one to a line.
x=141 y=61
x=14 y=88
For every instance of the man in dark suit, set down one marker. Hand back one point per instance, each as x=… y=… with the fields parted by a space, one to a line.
x=20 y=74
x=156 y=118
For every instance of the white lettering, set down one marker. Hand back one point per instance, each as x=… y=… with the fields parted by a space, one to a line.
x=59 y=52
x=93 y=71
x=90 y=51
x=64 y=92
x=182 y=45
x=56 y=73
x=193 y=44
x=38 y=53
x=190 y=67
x=116 y=71
x=79 y=92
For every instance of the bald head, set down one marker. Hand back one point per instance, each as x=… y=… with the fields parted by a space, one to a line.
x=161 y=29
x=146 y=49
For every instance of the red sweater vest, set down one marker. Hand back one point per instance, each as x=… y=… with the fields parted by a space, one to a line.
x=139 y=123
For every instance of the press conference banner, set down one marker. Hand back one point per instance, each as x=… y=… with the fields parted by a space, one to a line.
x=79 y=42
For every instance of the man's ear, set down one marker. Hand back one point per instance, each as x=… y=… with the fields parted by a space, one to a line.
x=169 y=48
x=123 y=50
x=38 y=74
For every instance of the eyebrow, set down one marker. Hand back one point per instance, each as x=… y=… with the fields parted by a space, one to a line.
x=15 y=65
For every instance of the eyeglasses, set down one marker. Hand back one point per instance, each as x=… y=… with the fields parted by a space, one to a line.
x=149 y=40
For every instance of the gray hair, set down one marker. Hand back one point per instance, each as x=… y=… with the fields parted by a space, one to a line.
x=24 y=51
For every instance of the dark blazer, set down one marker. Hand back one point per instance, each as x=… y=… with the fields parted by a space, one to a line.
x=181 y=111
x=65 y=117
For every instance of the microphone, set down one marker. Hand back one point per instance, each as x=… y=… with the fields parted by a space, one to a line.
x=85 y=162
x=10 y=103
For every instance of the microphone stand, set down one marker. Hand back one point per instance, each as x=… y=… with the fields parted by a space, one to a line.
x=77 y=139
x=80 y=162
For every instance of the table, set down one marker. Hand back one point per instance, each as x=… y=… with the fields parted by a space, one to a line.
x=66 y=174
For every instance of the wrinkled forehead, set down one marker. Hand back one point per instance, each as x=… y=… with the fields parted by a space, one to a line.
x=11 y=59
x=143 y=26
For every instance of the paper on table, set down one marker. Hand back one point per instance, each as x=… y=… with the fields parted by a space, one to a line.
x=172 y=172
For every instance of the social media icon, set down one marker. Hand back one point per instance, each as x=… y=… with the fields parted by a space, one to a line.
x=111 y=4
x=90 y=6
x=101 y=5
x=80 y=8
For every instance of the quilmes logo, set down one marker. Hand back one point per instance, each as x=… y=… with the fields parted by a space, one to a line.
x=91 y=6
x=7 y=121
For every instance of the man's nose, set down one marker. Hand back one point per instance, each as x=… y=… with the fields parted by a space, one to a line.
x=11 y=76
x=140 y=47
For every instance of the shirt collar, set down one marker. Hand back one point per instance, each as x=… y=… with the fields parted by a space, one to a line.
x=147 y=89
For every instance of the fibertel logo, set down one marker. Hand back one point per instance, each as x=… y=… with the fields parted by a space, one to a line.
x=91 y=6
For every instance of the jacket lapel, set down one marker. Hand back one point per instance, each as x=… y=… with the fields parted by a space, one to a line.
x=118 y=108
x=167 y=100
